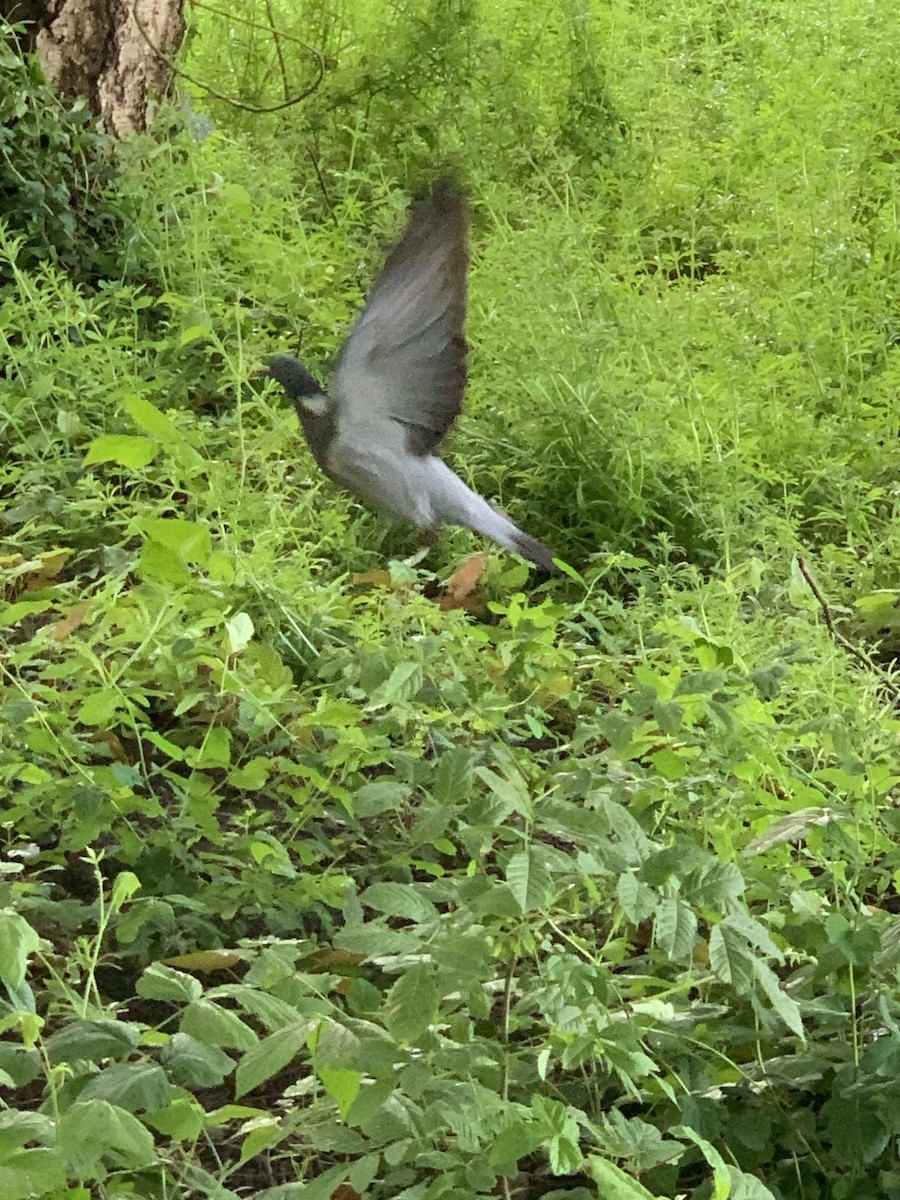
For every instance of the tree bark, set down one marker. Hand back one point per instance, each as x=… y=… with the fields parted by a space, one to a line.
x=109 y=51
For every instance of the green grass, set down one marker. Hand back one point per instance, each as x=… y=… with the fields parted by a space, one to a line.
x=586 y=892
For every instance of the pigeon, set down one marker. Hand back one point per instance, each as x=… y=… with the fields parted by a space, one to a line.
x=399 y=383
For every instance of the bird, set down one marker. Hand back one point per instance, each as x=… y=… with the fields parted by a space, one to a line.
x=399 y=382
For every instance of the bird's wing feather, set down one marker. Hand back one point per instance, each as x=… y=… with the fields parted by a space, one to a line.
x=405 y=359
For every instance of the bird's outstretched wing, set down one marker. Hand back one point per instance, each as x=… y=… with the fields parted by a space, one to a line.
x=403 y=367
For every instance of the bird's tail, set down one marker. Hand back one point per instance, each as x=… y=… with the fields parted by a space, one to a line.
x=523 y=543
x=461 y=506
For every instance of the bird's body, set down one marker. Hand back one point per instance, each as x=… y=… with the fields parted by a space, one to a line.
x=399 y=385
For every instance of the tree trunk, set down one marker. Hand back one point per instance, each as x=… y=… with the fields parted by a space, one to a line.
x=109 y=51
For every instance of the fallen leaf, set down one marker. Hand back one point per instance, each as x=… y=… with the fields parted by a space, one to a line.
x=48 y=569
x=344 y=1191
x=462 y=584
x=70 y=622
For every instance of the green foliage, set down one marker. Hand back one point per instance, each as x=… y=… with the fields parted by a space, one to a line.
x=56 y=178
x=309 y=885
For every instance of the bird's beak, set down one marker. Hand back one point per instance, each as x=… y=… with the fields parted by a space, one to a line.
x=261 y=373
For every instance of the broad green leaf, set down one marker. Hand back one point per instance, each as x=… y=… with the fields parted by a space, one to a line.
x=382 y=795
x=670 y=764
x=529 y=881
x=333 y=712
x=786 y=1006
x=204 y=1184
x=214 y=1025
x=148 y=417
x=238 y=199
x=632 y=839
x=342 y=1085
x=321 y=1187
x=399 y=900
x=363 y=1171
x=11 y=614
x=859 y=1134
x=272 y=1012
x=33 y=1172
x=194 y=333
x=452 y=776
x=17 y=1128
x=638 y=901
x=215 y=750
x=100 y=708
x=240 y=632
x=134 y=1086
x=745 y=1186
x=160 y=564
x=125 y=885
x=17 y=941
x=233 y=1112
x=721 y=1176
x=194 y=1064
x=412 y=1003
x=252 y=776
x=730 y=956
x=373 y=1095
x=92 y=1041
x=561 y=1134
x=880 y=610
x=263 y=1135
x=754 y=931
x=675 y=928
x=188 y=539
x=160 y=982
x=791 y=828
x=122 y=449
x=515 y=1141
x=613 y=1183
x=856 y=943
x=511 y=794
x=269 y=1056
x=94 y=1134
x=716 y=885
x=336 y=1046
x=273 y=856
x=183 y=1118
x=402 y=684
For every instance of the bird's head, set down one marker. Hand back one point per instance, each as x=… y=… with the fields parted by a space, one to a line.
x=314 y=408
x=300 y=384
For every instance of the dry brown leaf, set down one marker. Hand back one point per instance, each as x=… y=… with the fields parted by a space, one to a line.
x=50 y=566
x=462 y=584
x=344 y=1191
x=108 y=738
x=70 y=622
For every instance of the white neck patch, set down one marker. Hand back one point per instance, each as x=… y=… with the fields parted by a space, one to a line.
x=317 y=405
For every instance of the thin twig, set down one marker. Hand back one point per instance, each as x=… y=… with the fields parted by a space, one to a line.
x=253 y=108
x=506 y=1191
x=507 y=1004
x=855 y=651
x=328 y=204
x=276 y=38
x=221 y=12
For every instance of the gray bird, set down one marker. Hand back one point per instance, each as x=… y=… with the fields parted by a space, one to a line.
x=399 y=384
